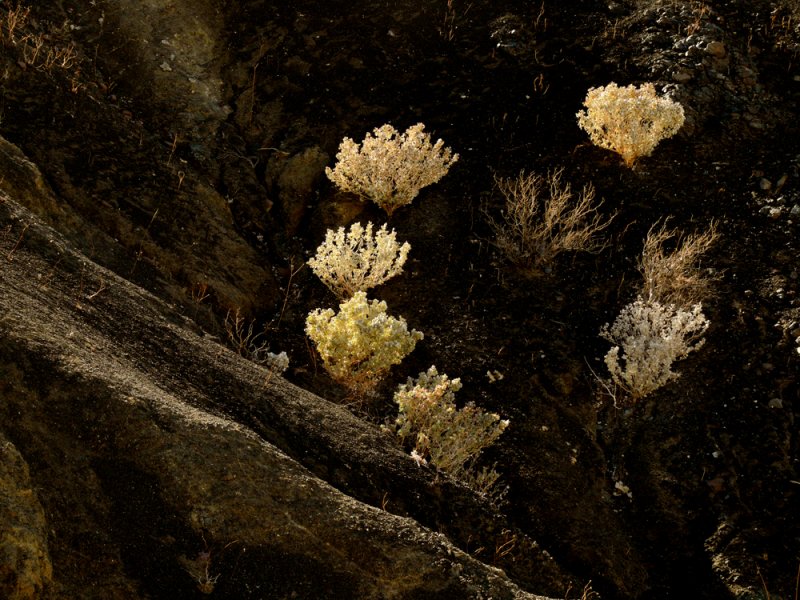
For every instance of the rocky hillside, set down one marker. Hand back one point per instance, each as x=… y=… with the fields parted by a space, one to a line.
x=162 y=174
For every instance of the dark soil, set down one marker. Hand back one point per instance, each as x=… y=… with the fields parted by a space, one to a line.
x=711 y=460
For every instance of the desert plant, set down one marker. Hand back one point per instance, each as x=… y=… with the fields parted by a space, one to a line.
x=448 y=437
x=390 y=168
x=360 y=343
x=650 y=337
x=252 y=345
x=354 y=261
x=674 y=277
x=12 y=20
x=541 y=220
x=630 y=120
x=36 y=49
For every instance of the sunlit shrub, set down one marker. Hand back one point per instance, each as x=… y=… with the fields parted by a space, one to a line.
x=390 y=168
x=630 y=120
x=448 y=437
x=354 y=261
x=648 y=338
x=360 y=343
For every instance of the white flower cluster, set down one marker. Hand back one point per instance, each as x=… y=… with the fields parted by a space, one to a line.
x=448 y=437
x=651 y=336
x=360 y=343
x=630 y=120
x=390 y=168
x=354 y=261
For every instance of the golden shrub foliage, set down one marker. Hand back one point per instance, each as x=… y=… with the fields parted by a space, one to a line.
x=390 y=168
x=630 y=120
x=360 y=343
x=448 y=437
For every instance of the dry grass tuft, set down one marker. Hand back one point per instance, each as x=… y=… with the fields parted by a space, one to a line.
x=675 y=277
x=542 y=219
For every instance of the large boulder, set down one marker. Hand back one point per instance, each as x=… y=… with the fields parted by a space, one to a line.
x=161 y=461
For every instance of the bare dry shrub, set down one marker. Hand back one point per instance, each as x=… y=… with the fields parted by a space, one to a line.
x=542 y=219
x=675 y=277
x=252 y=345
x=12 y=20
x=36 y=49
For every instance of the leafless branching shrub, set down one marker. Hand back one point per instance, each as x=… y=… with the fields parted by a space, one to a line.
x=199 y=569
x=11 y=21
x=244 y=340
x=542 y=219
x=586 y=594
x=35 y=49
x=675 y=277
x=250 y=344
x=62 y=58
x=31 y=46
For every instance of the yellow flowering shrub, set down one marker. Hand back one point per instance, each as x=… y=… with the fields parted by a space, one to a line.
x=630 y=120
x=390 y=168
x=360 y=343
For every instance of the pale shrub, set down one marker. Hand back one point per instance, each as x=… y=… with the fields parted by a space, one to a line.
x=542 y=219
x=650 y=336
x=354 y=261
x=630 y=120
x=448 y=437
x=390 y=168
x=360 y=343
x=675 y=277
